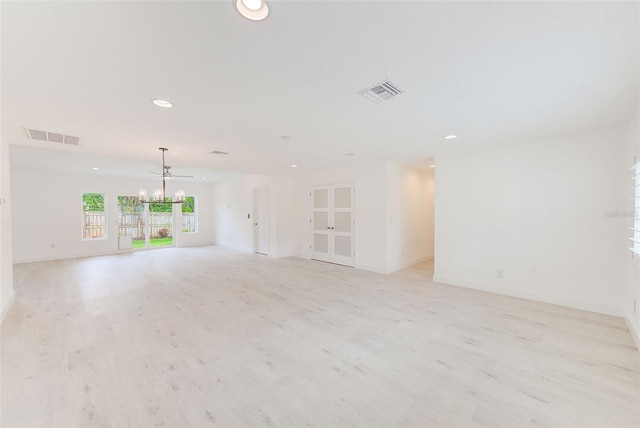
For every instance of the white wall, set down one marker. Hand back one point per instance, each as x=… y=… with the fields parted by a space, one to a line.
x=47 y=212
x=409 y=216
x=631 y=295
x=380 y=188
x=233 y=201
x=7 y=294
x=536 y=211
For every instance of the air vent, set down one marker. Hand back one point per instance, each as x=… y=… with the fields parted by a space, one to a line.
x=219 y=153
x=52 y=137
x=70 y=139
x=382 y=91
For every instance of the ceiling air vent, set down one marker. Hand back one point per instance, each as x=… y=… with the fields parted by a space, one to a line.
x=52 y=137
x=382 y=91
x=219 y=153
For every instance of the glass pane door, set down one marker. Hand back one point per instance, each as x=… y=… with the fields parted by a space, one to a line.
x=160 y=217
x=131 y=219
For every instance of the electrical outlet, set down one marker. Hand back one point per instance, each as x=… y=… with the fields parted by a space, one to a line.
x=500 y=273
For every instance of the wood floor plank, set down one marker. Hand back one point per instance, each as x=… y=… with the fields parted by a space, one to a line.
x=210 y=337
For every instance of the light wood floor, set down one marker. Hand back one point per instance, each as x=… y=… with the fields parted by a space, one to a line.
x=209 y=337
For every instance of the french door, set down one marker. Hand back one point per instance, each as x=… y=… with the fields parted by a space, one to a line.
x=149 y=225
x=333 y=224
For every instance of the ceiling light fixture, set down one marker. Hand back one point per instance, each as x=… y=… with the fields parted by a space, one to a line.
x=255 y=10
x=294 y=166
x=95 y=168
x=450 y=137
x=159 y=195
x=432 y=166
x=162 y=103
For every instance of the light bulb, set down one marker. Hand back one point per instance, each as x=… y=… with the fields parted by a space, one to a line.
x=252 y=4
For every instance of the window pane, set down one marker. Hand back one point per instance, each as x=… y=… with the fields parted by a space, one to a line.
x=342 y=197
x=93 y=216
x=189 y=215
x=320 y=221
x=161 y=224
x=131 y=219
x=342 y=221
x=321 y=243
x=342 y=246
x=321 y=198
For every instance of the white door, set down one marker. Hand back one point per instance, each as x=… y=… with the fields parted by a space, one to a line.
x=333 y=224
x=261 y=221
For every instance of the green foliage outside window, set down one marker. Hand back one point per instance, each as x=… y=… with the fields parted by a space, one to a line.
x=160 y=207
x=189 y=204
x=92 y=202
x=130 y=204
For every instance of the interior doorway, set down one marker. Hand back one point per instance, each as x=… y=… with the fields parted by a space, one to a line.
x=261 y=221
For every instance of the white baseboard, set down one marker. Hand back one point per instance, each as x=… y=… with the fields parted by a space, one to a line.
x=410 y=263
x=64 y=256
x=301 y=255
x=236 y=248
x=634 y=333
x=195 y=244
x=80 y=255
x=539 y=297
x=374 y=269
x=7 y=306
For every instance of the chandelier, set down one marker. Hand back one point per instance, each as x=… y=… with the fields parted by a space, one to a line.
x=159 y=195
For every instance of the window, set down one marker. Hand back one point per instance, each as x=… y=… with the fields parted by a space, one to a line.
x=189 y=215
x=93 y=216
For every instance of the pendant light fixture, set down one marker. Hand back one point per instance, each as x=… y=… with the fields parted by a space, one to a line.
x=159 y=195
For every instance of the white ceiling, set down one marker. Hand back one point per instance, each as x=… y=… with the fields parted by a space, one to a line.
x=492 y=72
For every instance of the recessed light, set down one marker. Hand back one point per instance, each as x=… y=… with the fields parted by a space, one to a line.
x=95 y=168
x=255 y=10
x=450 y=137
x=432 y=166
x=162 y=103
x=294 y=165
x=204 y=178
